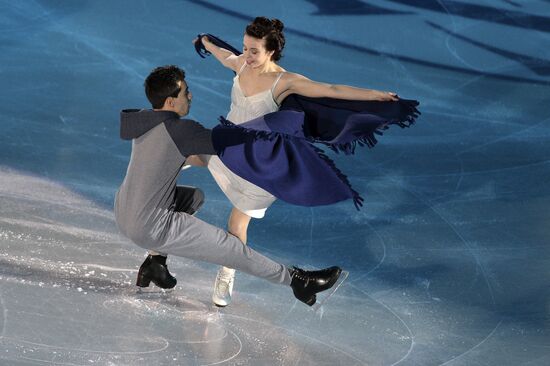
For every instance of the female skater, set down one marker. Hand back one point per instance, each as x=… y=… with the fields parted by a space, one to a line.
x=259 y=86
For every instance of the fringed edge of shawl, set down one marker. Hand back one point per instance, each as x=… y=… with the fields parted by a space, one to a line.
x=368 y=139
x=348 y=148
x=412 y=113
x=357 y=199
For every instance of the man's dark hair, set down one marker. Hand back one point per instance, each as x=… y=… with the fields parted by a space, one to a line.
x=162 y=83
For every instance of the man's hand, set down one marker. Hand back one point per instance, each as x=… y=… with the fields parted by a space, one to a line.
x=194 y=160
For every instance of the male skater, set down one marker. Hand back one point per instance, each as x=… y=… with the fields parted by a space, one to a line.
x=157 y=215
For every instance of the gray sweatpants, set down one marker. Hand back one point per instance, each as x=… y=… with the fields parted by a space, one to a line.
x=189 y=237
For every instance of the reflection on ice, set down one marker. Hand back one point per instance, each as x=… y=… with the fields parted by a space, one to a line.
x=68 y=296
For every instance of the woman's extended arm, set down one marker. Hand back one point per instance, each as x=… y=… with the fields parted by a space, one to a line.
x=227 y=58
x=298 y=84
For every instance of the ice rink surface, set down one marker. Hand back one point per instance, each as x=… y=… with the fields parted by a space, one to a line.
x=449 y=259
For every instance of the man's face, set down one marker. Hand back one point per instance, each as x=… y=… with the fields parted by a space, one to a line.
x=182 y=103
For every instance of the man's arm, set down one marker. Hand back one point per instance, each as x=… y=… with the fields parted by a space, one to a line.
x=190 y=137
x=195 y=160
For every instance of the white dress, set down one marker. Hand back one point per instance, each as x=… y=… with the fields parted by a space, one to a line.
x=245 y=196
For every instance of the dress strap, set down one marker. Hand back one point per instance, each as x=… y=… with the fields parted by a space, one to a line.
x=276 y=81
x=242 y=68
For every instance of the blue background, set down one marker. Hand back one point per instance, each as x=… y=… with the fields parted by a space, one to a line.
x=449 y=258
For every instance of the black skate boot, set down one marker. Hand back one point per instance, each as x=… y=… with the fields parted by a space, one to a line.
x=154 y=269
x=306 y=284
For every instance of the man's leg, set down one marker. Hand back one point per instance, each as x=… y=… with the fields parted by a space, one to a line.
x=187 y=236
x=193 y=238
x=154 y=268
x=188 y=199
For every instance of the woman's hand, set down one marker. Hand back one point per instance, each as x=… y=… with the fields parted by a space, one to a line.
x=204 y=40
x=225 y=57
x=386 y=97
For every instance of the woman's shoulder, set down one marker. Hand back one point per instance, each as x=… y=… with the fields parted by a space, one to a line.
x=279 y=69
x=274 y=72
x=292 y=75
x=288 y=77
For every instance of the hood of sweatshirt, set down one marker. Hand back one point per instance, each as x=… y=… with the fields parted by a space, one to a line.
x=136 y=122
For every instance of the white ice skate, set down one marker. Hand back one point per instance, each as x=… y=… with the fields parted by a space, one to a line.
x=223 y=287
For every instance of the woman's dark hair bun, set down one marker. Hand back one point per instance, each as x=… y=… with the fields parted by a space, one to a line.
x=268 y=24
x=262 y=22
x=277 y=25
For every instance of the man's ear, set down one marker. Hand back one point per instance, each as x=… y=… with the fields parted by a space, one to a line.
x=169 y=103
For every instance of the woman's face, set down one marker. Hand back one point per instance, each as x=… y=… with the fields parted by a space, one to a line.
x=254 y=51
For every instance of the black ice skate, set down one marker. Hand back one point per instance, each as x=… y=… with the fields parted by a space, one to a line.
x=154 y=270
x=306 y=284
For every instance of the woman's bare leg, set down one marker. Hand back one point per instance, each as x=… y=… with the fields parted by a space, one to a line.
x=238 y=226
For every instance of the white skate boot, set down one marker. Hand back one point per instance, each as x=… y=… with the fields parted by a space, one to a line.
x=223 y=287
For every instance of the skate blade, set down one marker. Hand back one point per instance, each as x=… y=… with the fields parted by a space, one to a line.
x=152 y=290
x=323 y=297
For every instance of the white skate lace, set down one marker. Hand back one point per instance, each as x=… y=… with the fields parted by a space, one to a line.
x=224 y=282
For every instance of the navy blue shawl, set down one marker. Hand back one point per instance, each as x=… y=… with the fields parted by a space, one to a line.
x=277 y=151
